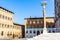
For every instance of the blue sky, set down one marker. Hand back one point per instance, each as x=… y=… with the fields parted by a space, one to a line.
x=26 y=8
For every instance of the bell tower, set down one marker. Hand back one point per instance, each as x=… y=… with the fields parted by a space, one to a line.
x=57 y=15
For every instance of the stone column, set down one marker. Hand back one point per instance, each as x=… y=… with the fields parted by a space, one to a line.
x=44 y=16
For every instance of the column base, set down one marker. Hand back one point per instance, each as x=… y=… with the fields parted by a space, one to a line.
x=45 y=31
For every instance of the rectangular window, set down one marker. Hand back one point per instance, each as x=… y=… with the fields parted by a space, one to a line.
x=2 y=25
x=3 y=16
x=30 y=22
x=8 y=18
x=11 y=18
x=0 y=15
x=2 y=33
x=8 y=26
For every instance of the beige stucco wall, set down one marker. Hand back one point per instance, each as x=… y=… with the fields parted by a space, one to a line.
x=50 y=20
x=8 y=31
x=8 y=14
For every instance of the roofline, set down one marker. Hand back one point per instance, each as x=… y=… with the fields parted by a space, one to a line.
x=37 y=17
x=6 y=10
x=18 y=24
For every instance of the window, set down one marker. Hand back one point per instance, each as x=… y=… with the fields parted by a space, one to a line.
x=2 y=33
x=38 y=32
x=38 y=21
x=13 y=26
x=42 y=31
x=2 y=25
x=30 y=22
x=8 y=26
x=34 y=22
x=8 y=33
x=3 y=16
x=49 y=31
x=41 y=21
x=30 y=31
x=26 y=31
x=11 y=18
x=53 y=31
x=34 y=32
x=5 y=25
x=0 y=15
x=8 y=18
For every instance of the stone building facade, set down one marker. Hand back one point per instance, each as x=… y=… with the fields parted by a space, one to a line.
x=34 y=26
x=20 y=30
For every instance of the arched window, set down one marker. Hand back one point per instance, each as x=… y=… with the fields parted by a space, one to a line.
x=26 y=31
x=30 y=31
x=53 y=31
x=34 y=32
x=42 y=31
x=49 y=31
x=38 y=32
